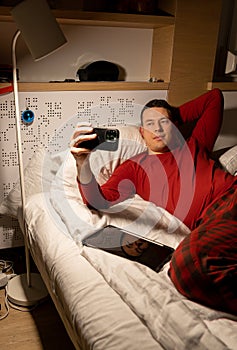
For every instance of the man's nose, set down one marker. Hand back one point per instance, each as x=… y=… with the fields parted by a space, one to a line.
x=158 y=126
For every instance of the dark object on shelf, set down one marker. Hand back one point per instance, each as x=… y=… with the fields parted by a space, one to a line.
x=136 y=6
x=6 y=73
x=99 y=71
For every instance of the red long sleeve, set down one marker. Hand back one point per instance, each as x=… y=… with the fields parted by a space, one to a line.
x=207 y=109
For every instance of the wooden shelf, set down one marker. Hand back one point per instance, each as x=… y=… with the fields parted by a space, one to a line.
x=112 y=19
x=102 y=19
x=224 y=86
x=90 y=86
x=5 y=15
x=98 y=19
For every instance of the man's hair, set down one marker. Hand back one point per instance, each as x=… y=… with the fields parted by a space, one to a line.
x=173 y=112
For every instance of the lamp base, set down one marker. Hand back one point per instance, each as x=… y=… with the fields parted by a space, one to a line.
x=19 y=293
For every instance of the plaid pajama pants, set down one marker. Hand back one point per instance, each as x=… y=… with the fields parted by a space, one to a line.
x=204 y=266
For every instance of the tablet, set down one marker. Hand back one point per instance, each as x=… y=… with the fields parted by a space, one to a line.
x=131 y=246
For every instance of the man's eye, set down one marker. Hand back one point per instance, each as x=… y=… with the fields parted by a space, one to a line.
x=165 y=121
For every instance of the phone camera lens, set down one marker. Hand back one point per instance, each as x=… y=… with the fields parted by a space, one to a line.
x=111 y=135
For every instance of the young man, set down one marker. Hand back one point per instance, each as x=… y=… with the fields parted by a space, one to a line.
x=180 y=177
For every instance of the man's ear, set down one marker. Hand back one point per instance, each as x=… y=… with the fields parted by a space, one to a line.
x=141 y=130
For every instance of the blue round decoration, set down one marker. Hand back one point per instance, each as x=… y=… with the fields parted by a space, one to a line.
x=27 y=116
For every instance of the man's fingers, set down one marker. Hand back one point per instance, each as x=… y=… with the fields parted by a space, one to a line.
x=75 y=142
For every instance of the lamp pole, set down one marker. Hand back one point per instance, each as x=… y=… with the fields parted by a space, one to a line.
x=19 y=149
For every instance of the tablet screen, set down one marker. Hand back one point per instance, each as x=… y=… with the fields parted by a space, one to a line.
x=131 y=246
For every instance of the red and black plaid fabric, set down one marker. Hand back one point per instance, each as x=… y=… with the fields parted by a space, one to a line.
x=204 y=266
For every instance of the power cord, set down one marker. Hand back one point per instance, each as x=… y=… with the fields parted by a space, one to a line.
x=6 y=273
x=6 y=266
x=4 y=278
x=7 y=308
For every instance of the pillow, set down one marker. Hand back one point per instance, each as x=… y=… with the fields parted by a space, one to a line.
x=38 y=175
x=229 y=160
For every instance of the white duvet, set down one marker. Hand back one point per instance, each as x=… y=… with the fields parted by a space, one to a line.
x=174 y=321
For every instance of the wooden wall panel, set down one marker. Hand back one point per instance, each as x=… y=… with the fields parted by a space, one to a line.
x=195 y=42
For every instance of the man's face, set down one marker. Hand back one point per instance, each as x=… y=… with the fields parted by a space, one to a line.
x=158 y=130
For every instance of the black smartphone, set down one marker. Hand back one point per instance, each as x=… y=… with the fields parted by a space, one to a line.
x=106 y=140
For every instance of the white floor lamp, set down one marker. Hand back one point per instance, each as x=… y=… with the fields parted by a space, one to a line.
x=43 y=36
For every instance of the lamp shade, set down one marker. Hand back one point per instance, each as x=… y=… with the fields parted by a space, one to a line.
x=38 y=26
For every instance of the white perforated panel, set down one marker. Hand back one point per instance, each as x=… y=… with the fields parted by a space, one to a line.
x=56 y=114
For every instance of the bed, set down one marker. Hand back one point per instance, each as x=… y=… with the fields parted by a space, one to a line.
x=106 y=301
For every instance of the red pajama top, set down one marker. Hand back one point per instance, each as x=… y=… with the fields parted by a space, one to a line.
x=184 y=181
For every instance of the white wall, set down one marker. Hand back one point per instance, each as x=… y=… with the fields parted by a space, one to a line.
x=128 y=47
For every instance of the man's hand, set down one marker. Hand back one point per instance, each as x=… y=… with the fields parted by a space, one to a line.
x=82 y=132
